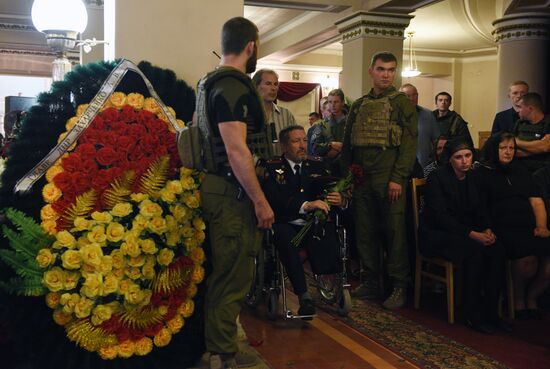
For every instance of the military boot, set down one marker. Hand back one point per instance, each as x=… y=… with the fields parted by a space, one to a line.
x=367 y=290
x=397 y=299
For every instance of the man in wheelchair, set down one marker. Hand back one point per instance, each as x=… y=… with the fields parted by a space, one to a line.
x=293 y=184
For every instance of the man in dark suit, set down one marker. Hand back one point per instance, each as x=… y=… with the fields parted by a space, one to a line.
x=292 y=188
x=505 y=120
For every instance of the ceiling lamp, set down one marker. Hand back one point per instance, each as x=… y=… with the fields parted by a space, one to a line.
x=61 y=21
x=412 y=69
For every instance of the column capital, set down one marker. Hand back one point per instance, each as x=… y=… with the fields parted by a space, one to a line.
x=364 y=24
x=522 y=26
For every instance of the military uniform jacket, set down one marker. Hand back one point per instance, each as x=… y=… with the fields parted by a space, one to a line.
x=398 y=159
x=285 y=193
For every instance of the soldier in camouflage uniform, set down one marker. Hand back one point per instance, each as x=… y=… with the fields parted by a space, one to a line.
x=233 y=130
x=381 y=136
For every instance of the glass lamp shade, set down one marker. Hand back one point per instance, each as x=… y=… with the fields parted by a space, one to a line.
x=59 y=15
x=407 y=72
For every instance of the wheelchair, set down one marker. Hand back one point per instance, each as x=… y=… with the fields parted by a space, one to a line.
x=270 y=281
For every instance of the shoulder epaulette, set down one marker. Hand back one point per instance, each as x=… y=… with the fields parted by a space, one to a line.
x=275 y=160
x=314 y=158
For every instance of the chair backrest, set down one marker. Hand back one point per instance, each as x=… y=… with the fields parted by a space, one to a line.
x=418 y=185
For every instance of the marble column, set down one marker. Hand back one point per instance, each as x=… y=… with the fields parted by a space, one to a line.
x=363 y=35
x=523 y=53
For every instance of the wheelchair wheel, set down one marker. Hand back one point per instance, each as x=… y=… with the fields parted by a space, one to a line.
x=327 y=286
x=344 y=304
x=272 y=305
x=254 y=296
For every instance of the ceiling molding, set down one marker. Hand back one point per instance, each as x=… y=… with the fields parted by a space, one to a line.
x=8 y=26
x=287 y=27
x=468 y=11
x=327 y=8
x=404 y=7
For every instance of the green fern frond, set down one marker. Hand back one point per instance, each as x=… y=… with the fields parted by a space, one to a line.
x=24 y=287
x=83 y=206
x=28 y=228
x=120 y=189
x=22 y=246
x=155 y=177
x=21 y=266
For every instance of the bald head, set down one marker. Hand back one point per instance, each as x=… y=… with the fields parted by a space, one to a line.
x=411 y=92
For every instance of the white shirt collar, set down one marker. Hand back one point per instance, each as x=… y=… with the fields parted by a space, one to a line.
x=292 y=163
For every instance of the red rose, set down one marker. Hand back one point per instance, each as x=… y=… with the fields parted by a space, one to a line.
x=89 y=136
x=119 y=128
x=122 y=160
x=128 y=114
x=106 y=156
x=158 y=126
x=108 y=138
x=64 y=181
x=98 y=123
x=89 y=167
x=61 y=205
x=144 y=117
x=100 y=181
x=149 y=143
x=72 y=163
x=125 y=143
x=136 y=131
x=113 y=173
x=85 y=150
x=137 y=154
x=82 y=184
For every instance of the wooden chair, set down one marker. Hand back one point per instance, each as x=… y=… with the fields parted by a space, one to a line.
x=417 y=188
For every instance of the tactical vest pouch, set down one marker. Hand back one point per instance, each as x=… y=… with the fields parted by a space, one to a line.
x=396 y=132
x=189 y=147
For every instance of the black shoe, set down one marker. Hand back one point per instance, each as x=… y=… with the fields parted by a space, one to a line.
x=479 y=327
x=307 y=308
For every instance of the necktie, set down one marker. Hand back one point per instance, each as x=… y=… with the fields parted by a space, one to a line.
x=297 y=175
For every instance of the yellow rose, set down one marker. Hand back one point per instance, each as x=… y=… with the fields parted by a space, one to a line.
x=87 y=269
x=187 y=231
x=157 y=225
x=134 y=295
x=197 y=255
x=200 y=236
x=174 y=186
x=150 y=104
x=186 y=172
x=137 y=261
x=149 y=209
x=165 y=257
x=171 y=223
x=151 y=260
x=139 y=197
x=84 y=308
x=162 y=338
x=139 y=223
x=97 y=235
x=118 y=259
x=179 y=212
x=53 y=171
x=186 y=309
x=118 y=99
x=175 y=324
x=132 y=273
x=188 y=183
x=100 y=314
x=167 y=196
x=126 y=349
x=115 y=232
x=49 y=227
x=124 y=286
x=71 y=280
x=122 y=209
x=198 y=274
x=47 y=213
x=51 y=193
x=180 y=123
x=172 y=239
x=102 y=217
x=110 y=284
x=192 y=290
x=143 y=346
x=69 y=301
x=93 y=285
x=52 y=299
x=198 y=223
x=82 y=241
x=64 y=239
x=45 y=258
x=193 y=201
x=81 y=108
x=190 y=244
x=106 y=264
x=61 y=317
x=119 y=273
x=92 y=254
x=148 y=272
x=130 y=247
x=148 y=246
x=108 y=352
x=81 y=224
x=71 y=122
x=135 y=100
x=71 y=259
x=54 y=279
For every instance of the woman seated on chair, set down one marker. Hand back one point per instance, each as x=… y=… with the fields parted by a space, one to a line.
x=454 y=226
x=519 y=220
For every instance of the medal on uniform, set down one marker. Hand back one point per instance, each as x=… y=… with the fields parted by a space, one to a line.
x=280 y=176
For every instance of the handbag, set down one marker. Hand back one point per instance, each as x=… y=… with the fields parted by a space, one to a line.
x=323 y=248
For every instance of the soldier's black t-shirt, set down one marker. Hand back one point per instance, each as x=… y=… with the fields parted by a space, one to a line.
x=526 y=131
x=231 y=100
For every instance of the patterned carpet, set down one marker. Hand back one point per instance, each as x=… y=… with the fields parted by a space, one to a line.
x=411 y=340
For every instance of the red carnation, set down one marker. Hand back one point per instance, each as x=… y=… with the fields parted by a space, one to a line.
x=71 y=163
x=106 y=156
x=109 y=114
x=89 y=167
x=81 y=184
x=64 y=181
x=85 y=150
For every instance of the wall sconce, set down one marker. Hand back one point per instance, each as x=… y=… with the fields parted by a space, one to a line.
x=61 y=21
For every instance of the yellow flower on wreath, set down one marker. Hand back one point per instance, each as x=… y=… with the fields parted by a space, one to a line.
x=45 y=258
x=54 y=279
x=165 y=257
x=143 y=346
x=102 y=217
x=48 y=213
x=157 y=225
x=115 y=232
x=186 y=309
x=110 y=284
x=92 y=254
x=150 y=209
x=162 y=338
x=167 y=196
x=100 y=314
x=81 y=109
x=82 y=224
x=108 y=352
x=175 y=324
x=198 y=274
x=83 y=308
x=49 y=227
x=135 y=100
x=71 y=259
x=52 y=299
x=148 y=246
x=117 y=100
x=126 y=349
x=53 y=171
x=97 y=235
x=71 y=280
x=122 y=209
x=64 y=239
x=62 y=318
x=51 y=193
x=150 y=104
x=197 y=255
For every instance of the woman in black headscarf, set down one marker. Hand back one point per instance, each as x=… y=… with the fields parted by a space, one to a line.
x=455 y=226
x=519 y=220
